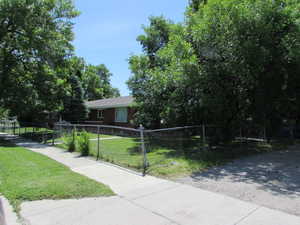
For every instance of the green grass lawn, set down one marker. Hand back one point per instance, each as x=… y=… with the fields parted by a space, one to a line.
x=39 y=134
x=94 y=136
x=33 y=130
x=61 y=139
x=28 y=130
x=166 y=156
x=29 y=176
x=171 y=157
x=122 y=151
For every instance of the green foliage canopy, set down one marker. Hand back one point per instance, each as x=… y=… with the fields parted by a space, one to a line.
x=96 y=82
x=35 y=39
x=230 y=61
x=74 y=105
x=37 y=59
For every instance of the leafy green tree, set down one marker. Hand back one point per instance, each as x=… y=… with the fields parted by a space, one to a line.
x=4 y=113
x=150 y=100
x=171 y=84
x=74 y=104
x=156 y=37
x=195 y=4
x=35 y=39
x=232 y=61
x=244 y=49
x=97 y=85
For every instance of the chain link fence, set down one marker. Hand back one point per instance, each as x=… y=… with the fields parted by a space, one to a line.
x=118 y=145
x=40 y=132
x=167 y=147
x=139 y=149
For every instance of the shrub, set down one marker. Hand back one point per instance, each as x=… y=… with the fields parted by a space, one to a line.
x=70 y=141
x=83 y=143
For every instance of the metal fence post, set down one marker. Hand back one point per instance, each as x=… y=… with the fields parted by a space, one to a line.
x=203 y=136
x=46 y=136
x=98 y=142
x=60 y=130
x=265 y=133
x=53 y=135
x=143 y=150
x=292 y=133
x=14 y=128
x=43 y=137
x=73 y=133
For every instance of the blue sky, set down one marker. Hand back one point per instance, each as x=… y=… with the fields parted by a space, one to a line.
x=106 y=31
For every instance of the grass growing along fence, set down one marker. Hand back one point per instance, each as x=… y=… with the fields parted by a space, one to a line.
x=167 y=156
x=83 y=143
x=171 y=157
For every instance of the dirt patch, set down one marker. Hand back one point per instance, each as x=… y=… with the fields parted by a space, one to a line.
x=271 y=180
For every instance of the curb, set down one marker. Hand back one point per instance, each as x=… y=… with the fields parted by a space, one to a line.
x=7 y=215
x=2 y=214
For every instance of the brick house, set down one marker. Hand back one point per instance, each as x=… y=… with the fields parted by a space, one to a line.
x=112 y=111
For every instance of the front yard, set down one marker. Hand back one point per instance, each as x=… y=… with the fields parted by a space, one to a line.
x=167 y=156
x=29 y=176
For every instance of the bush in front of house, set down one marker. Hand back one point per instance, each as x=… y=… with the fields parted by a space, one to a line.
x=83 y=143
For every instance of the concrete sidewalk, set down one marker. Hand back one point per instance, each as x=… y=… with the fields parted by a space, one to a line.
x=142 y=200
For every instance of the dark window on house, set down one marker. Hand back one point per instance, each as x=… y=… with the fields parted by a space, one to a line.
x=100 y=115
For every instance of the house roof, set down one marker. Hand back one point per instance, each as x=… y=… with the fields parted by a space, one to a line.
x=111 y=103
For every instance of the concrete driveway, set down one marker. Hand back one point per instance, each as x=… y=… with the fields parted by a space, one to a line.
x=143 y=201
x=271 y=180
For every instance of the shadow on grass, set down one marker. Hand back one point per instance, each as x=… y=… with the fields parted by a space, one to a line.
x=6 y=143
x=39 y=136
x=174 y=146
x=189 y=155
x=193 y=149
